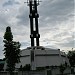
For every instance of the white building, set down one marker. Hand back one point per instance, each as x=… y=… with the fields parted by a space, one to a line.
x=42 y=57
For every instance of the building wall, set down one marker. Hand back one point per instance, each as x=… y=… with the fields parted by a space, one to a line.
x=24 y=61
x=42 y=61
x=42 y=57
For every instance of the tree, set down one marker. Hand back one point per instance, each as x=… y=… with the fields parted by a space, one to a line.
x=27 y=67
x=71 y=56
x=62 y=68
x=1 y=64
x=11 y=50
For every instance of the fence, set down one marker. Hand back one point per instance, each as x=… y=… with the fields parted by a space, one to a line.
x=7 y=73
x=42 y=72
x=25 y=73
x=32 y=73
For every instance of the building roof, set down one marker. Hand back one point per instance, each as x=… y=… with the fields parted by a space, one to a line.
x=40 y=50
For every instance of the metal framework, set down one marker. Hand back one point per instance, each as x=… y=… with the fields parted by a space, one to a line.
x=34 y=21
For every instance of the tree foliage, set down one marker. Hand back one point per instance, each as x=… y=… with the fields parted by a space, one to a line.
x=71 y=56
x=1 y=64
x=27 y=67
x=62 y=68
x=11 y=50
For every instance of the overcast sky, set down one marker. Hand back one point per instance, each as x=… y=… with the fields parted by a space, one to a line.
x=56 y=23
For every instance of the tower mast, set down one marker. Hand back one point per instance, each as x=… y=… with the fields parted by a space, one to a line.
x=34 y=21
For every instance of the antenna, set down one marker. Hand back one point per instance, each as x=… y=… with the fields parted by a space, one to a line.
x=28 y=2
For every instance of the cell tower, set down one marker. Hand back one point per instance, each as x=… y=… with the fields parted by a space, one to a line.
x=34 y=21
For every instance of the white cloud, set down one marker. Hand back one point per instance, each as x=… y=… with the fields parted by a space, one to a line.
x=10 y=3
x=56 y=22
